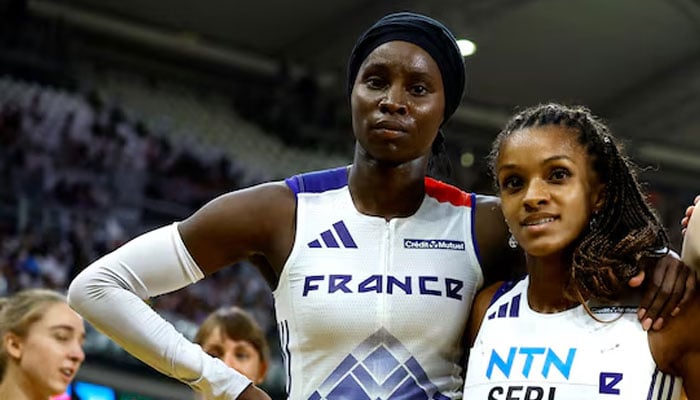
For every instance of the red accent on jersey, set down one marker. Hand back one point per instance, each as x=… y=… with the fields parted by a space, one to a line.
x=444 y=192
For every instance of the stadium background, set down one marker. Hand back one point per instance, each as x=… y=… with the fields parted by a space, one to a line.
x=117 y=116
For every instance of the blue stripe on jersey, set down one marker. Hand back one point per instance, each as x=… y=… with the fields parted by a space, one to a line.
x=318 y=181
x=474 y=243
x=505 y=288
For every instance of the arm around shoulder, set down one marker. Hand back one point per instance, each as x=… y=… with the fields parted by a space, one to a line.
x=676 y=347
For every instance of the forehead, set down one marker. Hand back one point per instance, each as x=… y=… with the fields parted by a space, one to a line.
x=218 y=336
x=60 y=314
x=542 y=142
x=402 y=53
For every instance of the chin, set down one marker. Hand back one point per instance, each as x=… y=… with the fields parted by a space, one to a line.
x=543 y=249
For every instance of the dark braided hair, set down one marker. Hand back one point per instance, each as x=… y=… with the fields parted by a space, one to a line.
x=439 y=165
x=625 y=229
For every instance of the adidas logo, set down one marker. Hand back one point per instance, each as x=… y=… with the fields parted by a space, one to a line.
x=508 y=310
x=330 y=241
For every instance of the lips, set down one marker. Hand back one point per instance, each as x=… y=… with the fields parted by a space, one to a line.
x=538 y=219
x=390 y=125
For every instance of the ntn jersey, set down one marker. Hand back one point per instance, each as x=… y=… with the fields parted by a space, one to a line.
x=370 y=308
x=522 y=354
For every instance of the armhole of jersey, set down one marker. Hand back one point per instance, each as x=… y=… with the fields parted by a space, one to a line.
x=318 y=181
x=475 y=244
x=505 y=288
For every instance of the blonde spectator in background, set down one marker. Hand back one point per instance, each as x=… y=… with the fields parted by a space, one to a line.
x=232 y=335
x=42 y=345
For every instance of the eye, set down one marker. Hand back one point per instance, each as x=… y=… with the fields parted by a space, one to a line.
x=419 y=90
x=214 y=353
x=511 y=183
x=61 y=336
x=559 y=174
x=375 y=82
x=243 y=355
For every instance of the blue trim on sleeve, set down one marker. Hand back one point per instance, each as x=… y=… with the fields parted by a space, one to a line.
x=505 y=288
x=475 y=244
x=318 y=181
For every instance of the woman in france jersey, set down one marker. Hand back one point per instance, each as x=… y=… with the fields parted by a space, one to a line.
x=361 y=259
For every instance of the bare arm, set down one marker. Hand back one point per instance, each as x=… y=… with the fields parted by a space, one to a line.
x=499 y=261
x=676 y=348
x=256 y=224
x=479 y=308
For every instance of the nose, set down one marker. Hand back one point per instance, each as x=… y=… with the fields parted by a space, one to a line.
x=536 y=194
x=394 y=101
x=76 y=353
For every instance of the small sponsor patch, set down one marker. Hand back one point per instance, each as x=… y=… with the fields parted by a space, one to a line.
x=434 y=244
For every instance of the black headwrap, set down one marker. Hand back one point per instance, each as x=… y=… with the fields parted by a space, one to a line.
x=425 y=32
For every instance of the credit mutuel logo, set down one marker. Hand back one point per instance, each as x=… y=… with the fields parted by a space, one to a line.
x=436 y=244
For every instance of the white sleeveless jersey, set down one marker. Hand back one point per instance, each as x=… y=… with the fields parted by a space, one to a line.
x=375 y=309
x=522 y=354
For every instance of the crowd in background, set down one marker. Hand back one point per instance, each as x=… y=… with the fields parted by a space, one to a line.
x=79 y=178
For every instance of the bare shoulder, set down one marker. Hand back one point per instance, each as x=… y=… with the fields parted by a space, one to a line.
x=479 y=308
x=259 y=221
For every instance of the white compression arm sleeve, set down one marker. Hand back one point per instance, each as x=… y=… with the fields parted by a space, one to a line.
x=109 y=293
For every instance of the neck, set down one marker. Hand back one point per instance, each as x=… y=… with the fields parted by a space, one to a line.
x=385 y=190
x=549 y=277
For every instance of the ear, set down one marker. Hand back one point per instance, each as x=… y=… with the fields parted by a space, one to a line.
x=13 y=345
x=262 y=372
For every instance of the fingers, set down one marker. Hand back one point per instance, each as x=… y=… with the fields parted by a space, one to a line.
x=650 y=293
x=676 y=293
x=686 y=216
x=663 y=280
x=690 y=285
x=637 y=280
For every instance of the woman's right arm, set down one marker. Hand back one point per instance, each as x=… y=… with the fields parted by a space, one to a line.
x=109 y=293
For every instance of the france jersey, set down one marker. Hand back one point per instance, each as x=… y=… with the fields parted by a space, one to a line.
x=522 y=354
x=375 y=309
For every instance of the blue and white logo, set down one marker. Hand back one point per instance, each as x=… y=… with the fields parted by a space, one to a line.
x=434 y=244
x=379 y=368
x=330 y=241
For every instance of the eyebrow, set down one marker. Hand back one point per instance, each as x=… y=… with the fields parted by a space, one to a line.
x=66 y=328
x=544 y=162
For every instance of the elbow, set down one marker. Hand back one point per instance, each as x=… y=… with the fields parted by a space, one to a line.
x=78 y=290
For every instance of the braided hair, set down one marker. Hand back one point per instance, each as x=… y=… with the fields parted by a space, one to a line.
x=624 y=230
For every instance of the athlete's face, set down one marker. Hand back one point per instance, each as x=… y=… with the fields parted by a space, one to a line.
x=240 y=355
x=398 y=103
x=547 y=186
x=52 y=351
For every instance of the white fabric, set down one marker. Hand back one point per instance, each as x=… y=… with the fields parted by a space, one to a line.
x=523 y=354
x=347 y=328
x=109 y=293
x=691 y=242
